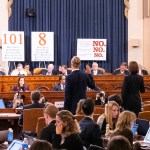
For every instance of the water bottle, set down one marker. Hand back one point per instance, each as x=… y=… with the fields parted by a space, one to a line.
x=10 y=135
x=25 y=144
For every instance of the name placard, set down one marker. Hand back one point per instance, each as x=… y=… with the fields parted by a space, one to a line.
x=42 y=47
x=91 y=49
x=13 y=46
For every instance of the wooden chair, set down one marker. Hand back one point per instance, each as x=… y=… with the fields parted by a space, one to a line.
x=99 y=110
x=7 y=110
x=36 y=71
x=144 y=115
x=70 y=69
x=146 y=102
x=30 y=118
x=40 y=125
x=95 y=117
x=79 y=117
x=146 y=107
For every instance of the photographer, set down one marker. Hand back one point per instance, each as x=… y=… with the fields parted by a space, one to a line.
x=100 y=98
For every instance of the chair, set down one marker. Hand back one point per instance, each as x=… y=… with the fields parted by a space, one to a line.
x=70 y=69
x=7 y=110
x=146 y=102
x=79 y=117
x=144 y=115
x=146 y=107
x=95 y=117
x=36 y=71
x=30 y=118
x=43 y=88
x=40 y=125
x=98 y=110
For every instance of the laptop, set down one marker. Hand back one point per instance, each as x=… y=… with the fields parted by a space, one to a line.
x=3 y=136
x=143 y=126
x=15 y=145
x=2 y=105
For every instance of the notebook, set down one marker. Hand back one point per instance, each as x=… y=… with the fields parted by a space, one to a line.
x=143 y=126
x=2 y=105
x=3 y=136
x=15 y=145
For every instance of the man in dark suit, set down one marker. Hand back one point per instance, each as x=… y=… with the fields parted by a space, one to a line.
x=90 y=131
x=142 y=71
x=122 y=70
x=95 y=70
x=61 y=85
x=50 y=70
x=64 y=70
x=76 y=85
x=50 y=120
x=35 y=97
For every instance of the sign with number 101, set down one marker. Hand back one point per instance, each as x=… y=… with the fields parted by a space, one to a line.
x=42 y=47
x=12 y=46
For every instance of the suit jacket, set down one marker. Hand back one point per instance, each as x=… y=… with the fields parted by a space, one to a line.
x=48 y=132
x=2 y=73
x=144 y=72
x=90 y=132
x=131 y=88
x=99 y=72
x=75 y=88
x=29 y=106
x=118 y=72
x=57 y=87
x=71 y=142
x=44 y=72
x=18 y=88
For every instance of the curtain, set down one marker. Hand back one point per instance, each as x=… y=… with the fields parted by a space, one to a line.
x=72 y=19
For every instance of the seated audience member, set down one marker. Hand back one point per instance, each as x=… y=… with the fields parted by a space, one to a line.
x=67 y=132
x=100 y=98
x=142 y=71
x=21 y=87
x=59 y=70
x=27 y=68
x=109 y=117
x=35 y=97
x=117 y=98
x=64 y=70
x=2 y=73
x=79 y=110
x=18 y=71
x=50 y=70
x=119 y=143
x=124 y=125
x=50 y=120
x=95 y=70
x=122 y=70
x=90 y=131
x=61 y=85
x=41 y=145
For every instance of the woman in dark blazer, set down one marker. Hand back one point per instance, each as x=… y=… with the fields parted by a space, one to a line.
x=21 y=87
x=133 y=84
x=67 y=132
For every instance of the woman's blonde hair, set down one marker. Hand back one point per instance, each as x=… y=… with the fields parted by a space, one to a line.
x=79 y=110
x=124 y=120
x=108 y=113
x=72 y=124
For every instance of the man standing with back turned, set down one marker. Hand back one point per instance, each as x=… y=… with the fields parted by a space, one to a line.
x=76 y=85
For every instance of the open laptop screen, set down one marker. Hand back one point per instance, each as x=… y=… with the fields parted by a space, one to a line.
x=15 y=145
x=147 y=137
x=2 y=105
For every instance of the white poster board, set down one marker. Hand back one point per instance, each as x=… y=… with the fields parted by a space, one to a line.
x=13 y=46
x=91 y=49
x=42 y=46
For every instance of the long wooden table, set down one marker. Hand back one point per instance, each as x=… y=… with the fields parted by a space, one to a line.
x=53 y=96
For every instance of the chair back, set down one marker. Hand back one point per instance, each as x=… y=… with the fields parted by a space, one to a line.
x=144 y=115
x=79 y=117
x=146 y=102
x=99 y=109
x=7 y=110
x=146 y=107
x=40 y=125
x=36 y=71
x=30 y=118
x=95 y=117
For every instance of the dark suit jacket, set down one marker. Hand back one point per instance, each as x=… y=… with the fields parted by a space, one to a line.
x=90 y=132
x=48 y=132
x=144 y=72
x=44 y=72
x=132 y=86
x=75 y=89
x=57 y=87
x=99 y=72
x=29 y=106
x=2 y=73
x=118 y=72
x=71 y=142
